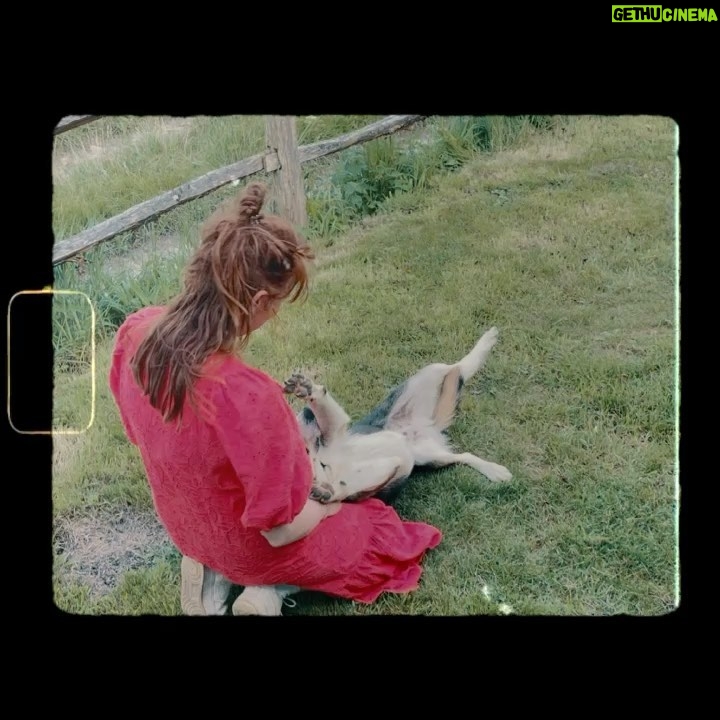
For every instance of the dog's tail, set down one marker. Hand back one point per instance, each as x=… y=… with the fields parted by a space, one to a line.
x=476 y=358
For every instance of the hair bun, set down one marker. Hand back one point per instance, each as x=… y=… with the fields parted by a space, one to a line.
x=251 y=200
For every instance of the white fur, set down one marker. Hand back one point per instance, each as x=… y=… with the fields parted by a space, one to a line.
x=347 y=464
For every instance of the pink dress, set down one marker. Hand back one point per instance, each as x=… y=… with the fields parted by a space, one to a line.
x=217 y=482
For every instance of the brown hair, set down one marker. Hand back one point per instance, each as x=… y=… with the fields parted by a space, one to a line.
x=241 y=252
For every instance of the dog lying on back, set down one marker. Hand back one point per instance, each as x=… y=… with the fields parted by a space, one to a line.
x=376 y=455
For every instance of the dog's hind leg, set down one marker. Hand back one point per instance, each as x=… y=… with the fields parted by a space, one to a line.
x=431 y=395
x=492 y=471
x=457 y=375
x=448 y=398
x=477 y=357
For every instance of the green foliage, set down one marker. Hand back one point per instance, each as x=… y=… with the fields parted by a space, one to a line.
x=370 y=174
x=366 y=177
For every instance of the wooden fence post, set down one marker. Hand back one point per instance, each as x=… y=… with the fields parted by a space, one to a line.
x=281 y=136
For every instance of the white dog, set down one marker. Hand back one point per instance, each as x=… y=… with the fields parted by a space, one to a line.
x=376 y=455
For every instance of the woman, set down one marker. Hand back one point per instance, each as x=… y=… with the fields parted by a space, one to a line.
x=227 y=466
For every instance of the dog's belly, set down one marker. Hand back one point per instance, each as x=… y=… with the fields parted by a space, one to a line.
x=381 y=444
x=425 y=444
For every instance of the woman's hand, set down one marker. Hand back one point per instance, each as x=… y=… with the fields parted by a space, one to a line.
x=332 y=508
x=312 y=514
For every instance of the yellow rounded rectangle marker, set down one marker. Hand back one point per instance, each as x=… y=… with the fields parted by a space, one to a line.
x=44 y=324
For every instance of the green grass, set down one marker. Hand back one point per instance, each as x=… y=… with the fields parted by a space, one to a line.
x=564 y=238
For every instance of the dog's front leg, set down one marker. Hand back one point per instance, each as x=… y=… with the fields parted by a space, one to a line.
x=331 y=419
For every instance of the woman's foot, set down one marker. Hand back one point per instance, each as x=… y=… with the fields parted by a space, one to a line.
x=262 y=600
x=202 y=591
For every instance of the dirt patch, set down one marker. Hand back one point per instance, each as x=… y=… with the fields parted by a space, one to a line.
x=97 y=550
x=132 y=262
x=66 y=451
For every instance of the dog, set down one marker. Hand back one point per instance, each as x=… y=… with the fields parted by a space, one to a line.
x=376 y=455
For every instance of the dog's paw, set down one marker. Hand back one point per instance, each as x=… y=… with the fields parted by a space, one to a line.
x=497 y=473
x=299 y=386
x=491 y=336
x=323 y=493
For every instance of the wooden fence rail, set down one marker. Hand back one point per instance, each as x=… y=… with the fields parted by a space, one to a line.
x=268 y=162
x=72 y=121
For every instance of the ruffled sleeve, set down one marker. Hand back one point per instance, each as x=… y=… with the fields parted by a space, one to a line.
x=260 y=435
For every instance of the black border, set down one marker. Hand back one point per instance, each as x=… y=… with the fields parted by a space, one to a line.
x=584 y=75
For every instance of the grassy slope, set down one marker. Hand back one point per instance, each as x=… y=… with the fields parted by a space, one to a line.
x=567 y=245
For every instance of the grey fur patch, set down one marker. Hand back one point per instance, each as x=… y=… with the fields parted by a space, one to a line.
x=375 y=420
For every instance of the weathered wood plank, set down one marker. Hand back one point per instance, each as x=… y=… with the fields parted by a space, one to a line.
x=72 y=121
x=288 y=188
x=137 y=215
x=386 y=126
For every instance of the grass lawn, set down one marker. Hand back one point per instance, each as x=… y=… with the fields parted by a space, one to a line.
x=567 y=243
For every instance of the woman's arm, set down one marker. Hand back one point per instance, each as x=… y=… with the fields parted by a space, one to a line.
x=304 y=522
